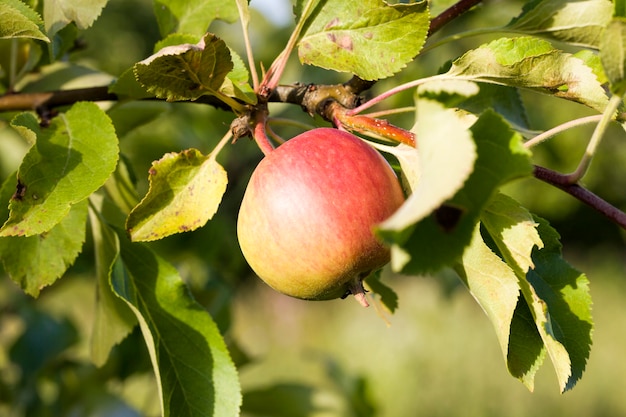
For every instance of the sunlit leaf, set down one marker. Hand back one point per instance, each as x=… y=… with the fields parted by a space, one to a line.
x=59 y=13
x=513 y=229
x=492 y=283
x=613 y=54
x=440 y=239
x=370 y=38
x=186 y=71
x=576 y=22
x=442 y=141
x=71 y=159
x=186 y=189
x=195 y=374
x=533 y=64
x=192 y=16
x=37 y=261
x=559 y=298
x=236 y=82
x=20 y=21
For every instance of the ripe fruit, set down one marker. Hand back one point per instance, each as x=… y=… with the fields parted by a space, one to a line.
x=306 y=219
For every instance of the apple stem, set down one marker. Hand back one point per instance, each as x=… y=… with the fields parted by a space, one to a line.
x=260 y=134
x=356 y=289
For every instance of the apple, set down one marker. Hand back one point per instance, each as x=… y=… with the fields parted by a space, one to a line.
x=306 y=220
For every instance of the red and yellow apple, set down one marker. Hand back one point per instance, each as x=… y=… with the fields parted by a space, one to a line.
x=306 y=220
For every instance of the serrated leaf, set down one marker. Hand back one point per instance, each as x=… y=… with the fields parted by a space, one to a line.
x=59 y=13
x=443 y=141
x=71 y=159
x=560 y=301
x=192 y=16
x=195 y=374
x=187 y=71
x=439 y=239
x=368 y=38
x=533 y=64
x=37 y=261
x=513 y=229
x=613 y=54
x=20 y=21
x=113 y=319
x=576 y=22
x=556 y=294
x=186 y=189
x=493 y=284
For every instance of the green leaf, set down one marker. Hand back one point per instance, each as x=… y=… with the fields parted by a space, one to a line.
x=186 y=189
x=557 y=294
x=20 y=21
x=559 y=298
x=59 y=13
x=533 y=64
x=113 y=319
x=71 y=159
x=186 y=71
x=388 y=296
x=526 y=349
x=37 y=261
x=506 y=101
x=493 y=285
x=422 y=165
x=613 y=55
x=440 y=239
x=192 y=16
x=576 y=22
x=236 y=82
x=195 y=374
x=368 y=38
x=513 y=229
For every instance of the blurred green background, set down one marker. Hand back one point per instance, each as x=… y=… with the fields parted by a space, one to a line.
x=439 y=356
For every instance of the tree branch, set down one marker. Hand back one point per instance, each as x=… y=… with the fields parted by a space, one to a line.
x=561 y=181
x=52 y=99
x=450 y=14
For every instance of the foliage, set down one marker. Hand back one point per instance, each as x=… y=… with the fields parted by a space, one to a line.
x=467 y=141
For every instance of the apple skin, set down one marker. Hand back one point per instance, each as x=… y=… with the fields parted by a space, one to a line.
x=306 y=220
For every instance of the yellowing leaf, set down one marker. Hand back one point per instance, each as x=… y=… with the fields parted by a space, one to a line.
x=186 y=189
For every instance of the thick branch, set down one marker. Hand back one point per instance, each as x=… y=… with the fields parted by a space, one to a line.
x=52 y=99
x=561 y=181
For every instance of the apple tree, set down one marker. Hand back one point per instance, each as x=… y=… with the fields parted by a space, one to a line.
x=457 y=143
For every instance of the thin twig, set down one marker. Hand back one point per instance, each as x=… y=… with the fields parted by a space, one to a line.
x=562 y=182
